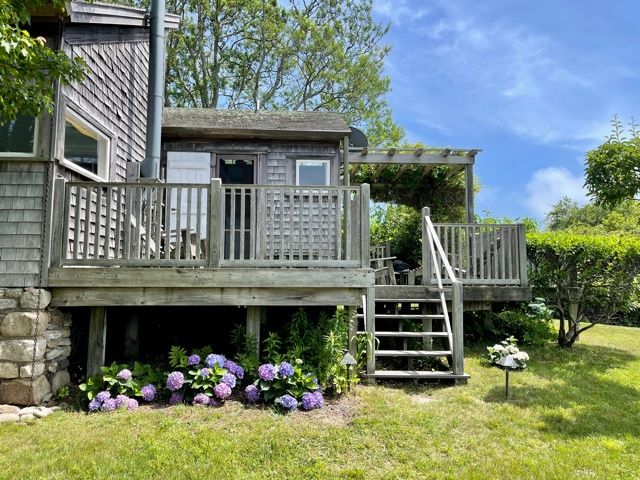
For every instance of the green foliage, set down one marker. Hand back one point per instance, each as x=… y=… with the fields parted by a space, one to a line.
x=612 y=171
x=623 y=219
x=178 y=357
x=530 y=324
x=28 y=66
x=598 y=275
x=142 y=374
x=246 y=348
x=401 y=227
x=530 y=224
x=295 y=385
x=204 y=384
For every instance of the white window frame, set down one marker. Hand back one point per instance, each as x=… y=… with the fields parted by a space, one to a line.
x=104 y=147
x=36 y=135
x=327 y=175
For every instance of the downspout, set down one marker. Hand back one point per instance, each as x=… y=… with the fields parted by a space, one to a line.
x=150 y=166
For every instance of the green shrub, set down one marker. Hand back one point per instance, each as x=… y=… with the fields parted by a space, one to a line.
x=530 y=325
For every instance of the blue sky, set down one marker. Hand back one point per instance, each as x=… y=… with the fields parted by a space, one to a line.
x=533 y=83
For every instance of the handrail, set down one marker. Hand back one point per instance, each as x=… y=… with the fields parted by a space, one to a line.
x=435 y=240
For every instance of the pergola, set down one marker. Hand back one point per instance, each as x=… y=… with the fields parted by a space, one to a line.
x=456 y=159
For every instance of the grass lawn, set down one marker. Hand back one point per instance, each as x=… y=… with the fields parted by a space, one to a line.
x=574 y=414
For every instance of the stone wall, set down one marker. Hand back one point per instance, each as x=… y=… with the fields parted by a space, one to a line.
x=19 y=335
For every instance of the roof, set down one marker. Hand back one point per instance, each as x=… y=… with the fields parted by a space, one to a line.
x=272 y=125
x=104 y=14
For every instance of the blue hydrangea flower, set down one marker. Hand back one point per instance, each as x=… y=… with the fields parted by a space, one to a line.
x=230 y=365
x=176 y=398
x=267 y=372
x=287 y=402
x=201 y=399
x=124 y=375
x=193 y=359
x=222 y=391
x=311 y=400
x=175 y=380
x=109 y=405
x=132 y=404
x=122 y=401
x=239 y=372
x=205 y=372
x=213 y=358
x=252 y=394
x=229 y=379
x=102 y=396
x=94 y=405
x=285 y=370
x=148 y=393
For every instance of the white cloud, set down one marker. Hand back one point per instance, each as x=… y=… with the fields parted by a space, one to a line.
x=548 y=185
x=398 y=12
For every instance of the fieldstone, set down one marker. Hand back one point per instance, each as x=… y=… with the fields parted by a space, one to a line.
x=53 y=334
x=63 y=363
x=22 y=350
x=20 y=392
x=59 y=380
x=7 y=303
x=12 y=293
x=23 y=324
x=25 y=370
x=66 y=351
x=29 y=417
x=56 y=408
x=28 y=410
x=64 y=342
x=29 y=298
x=56 y=318
x=9 y=409
x=68 y=321
x=47 y=398
x=43 y=412
x=9 y=370
x=54 y=353
x=52 y=343
x=9 y=417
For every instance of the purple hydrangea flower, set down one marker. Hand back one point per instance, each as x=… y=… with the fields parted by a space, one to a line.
x=175 y=380
x=124 y=374
x=252 y=394
x=267 y=372
x=222 y=391
x=239 y=372
x=176 y=398
x=205 y=372
x=109 y=405
x=311 y=400
x=193 y=359
x=287 y=402
x=94 y=405
x=132 y=404
x=148 y=392
x=201 y=399
x=102 y=396
x=212 y=359
x=285 y=370
x=229 y=379
x=122 y=401
x=214 y=402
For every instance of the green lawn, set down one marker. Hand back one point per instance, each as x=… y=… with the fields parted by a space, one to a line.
x=573 y=414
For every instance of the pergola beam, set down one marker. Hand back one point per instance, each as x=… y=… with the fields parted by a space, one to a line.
x=409 y=159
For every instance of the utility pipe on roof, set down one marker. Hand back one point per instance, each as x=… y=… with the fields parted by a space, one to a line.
x=150 y=166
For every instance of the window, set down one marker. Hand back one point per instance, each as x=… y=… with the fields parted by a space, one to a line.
x=18 y=137
x=86 y=149
x=312 y=172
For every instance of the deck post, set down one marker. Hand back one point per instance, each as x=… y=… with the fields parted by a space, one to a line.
x=370 y=319
x=97 y=339
x=457 y=328
x=132 y=337
x=468 y=193
x=364 y=227
x=254 y=315
x=215 y=222
x=522 y=255
x=427 y=267
x=346 y=177
x=59 y=219
x=353 y=331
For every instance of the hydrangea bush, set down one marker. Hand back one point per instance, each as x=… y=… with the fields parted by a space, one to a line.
x=508 y=347
x=286 y=386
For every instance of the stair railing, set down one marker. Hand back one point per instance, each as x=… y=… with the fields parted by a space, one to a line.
x=433 y=256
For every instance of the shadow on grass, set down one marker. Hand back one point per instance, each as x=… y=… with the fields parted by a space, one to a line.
x=576 y=391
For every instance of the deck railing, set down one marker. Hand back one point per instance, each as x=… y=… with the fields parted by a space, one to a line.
x=482 y=254
x=209 y=225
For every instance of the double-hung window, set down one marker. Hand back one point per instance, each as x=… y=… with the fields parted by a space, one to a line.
x=86 y=148
x=312 y=172
x=18 y=137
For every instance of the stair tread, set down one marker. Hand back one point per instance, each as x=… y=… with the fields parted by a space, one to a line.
x=416 y=316
x=415 y=374
x=408 y=300
x=412 y=353
x=391 y=333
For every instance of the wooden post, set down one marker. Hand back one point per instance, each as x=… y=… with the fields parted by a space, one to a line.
x=427 y=267
x=370 y=319
x=254 y=315
x=131 y=337
x=522 y=255
x=215 y=222
x=345 y=162
x=59 y=220
x=353 y=331
x=457 y=328
x=97 y=340
x=364 y=226
x=468 y=193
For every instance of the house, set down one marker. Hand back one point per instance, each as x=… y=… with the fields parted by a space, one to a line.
x=250 y=209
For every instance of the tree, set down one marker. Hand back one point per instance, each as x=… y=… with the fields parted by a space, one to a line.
x=28 y=66
x=612 y=172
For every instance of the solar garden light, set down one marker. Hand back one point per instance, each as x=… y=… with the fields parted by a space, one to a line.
x=507 y=363
x=348 y=361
